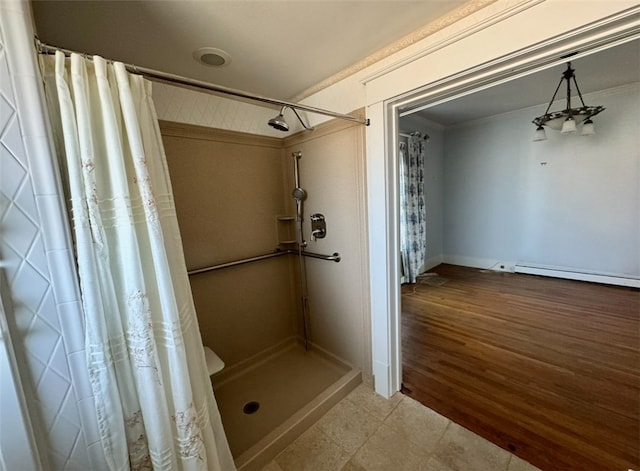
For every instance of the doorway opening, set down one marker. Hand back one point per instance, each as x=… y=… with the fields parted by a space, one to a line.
x=494 y=204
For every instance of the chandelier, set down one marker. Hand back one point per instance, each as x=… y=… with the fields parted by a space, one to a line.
x=566 y=120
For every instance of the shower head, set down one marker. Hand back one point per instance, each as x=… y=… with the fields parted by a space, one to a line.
x=299 y=193
x=279 y=122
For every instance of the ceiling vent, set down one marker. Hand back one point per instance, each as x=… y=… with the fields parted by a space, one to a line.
x=212 y=57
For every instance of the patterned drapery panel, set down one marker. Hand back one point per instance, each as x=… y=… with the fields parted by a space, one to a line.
x=412 y=208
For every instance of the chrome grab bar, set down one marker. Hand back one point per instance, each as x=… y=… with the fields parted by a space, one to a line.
x=335 y=257
x=236 y=262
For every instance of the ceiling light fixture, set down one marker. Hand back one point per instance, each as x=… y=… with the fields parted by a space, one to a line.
x=212 y=56
x=566 y=120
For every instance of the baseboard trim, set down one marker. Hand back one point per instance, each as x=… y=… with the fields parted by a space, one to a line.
x=433 y=262
x=482 y=263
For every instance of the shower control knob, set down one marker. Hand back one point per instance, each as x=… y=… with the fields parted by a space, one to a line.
x=318 y=226
x=318 y=233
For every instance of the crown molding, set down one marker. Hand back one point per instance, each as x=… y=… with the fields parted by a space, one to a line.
x=474 y=27
x=410 y=39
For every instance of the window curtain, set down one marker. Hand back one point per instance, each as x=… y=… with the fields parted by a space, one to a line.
x=413 y=243
x=153 y=397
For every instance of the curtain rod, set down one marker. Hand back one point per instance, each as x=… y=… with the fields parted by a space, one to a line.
x=186 y=82
x=425 y=136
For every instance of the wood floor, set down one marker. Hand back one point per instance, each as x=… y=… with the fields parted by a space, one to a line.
x=546 y=368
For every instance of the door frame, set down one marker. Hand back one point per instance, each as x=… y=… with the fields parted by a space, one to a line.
x=382 y=167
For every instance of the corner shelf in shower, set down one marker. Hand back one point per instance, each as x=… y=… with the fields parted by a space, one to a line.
x=286 y=229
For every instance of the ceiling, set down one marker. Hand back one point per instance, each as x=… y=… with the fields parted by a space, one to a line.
x=278 y=48
x=609 y=68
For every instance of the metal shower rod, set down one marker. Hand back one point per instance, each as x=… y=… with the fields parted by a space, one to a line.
x=186 y=82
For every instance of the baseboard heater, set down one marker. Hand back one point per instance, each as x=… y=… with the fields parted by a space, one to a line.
x=609 y=279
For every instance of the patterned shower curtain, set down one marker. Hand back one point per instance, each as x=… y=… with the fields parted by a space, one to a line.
x=153 y=398
x=413 y=244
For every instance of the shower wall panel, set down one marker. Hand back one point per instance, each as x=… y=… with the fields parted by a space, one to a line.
x=228 y=190
x=332 y=171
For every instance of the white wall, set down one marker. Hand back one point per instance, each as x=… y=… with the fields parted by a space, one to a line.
x=182 y=105
x=482 y=184
x=434 y=179
x=582 y=208
x=42 y=304
x=569 y=203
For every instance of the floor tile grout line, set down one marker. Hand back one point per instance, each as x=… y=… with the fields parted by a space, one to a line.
x=353 y=454
x=383 y=422
x=511 y=455
x=380 y=423
x=436 y=447
x=449 y=421
x=433 y=454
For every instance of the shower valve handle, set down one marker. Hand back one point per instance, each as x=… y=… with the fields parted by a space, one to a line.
x=318 y=233
x=318 y=226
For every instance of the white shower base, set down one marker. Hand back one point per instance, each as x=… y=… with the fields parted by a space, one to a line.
x=293 y=388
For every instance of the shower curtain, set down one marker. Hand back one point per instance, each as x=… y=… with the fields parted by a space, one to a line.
x=153 y=398
x=413 y=244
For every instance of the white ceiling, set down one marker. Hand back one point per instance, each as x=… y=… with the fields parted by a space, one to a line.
x=612 y=67
x=278 y=48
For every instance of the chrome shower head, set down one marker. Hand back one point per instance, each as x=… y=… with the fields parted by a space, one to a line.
x=279 y=122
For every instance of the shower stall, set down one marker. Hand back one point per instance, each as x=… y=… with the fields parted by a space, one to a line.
x=264 y=263
x=233 y=194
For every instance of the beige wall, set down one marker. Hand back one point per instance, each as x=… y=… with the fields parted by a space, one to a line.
x=228 y=189
x=332 y=171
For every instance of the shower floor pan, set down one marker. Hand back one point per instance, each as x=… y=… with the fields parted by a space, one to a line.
x=268 y=404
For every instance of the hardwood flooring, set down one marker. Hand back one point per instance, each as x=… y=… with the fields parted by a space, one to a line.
x=546 y=368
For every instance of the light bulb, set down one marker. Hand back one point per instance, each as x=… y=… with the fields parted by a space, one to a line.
x=588 y=129
x=540 y=134
x=569 y=125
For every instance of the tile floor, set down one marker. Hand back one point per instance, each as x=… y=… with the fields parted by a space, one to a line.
x=365 y=432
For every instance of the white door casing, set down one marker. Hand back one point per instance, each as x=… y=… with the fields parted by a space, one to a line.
x=567 y=29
